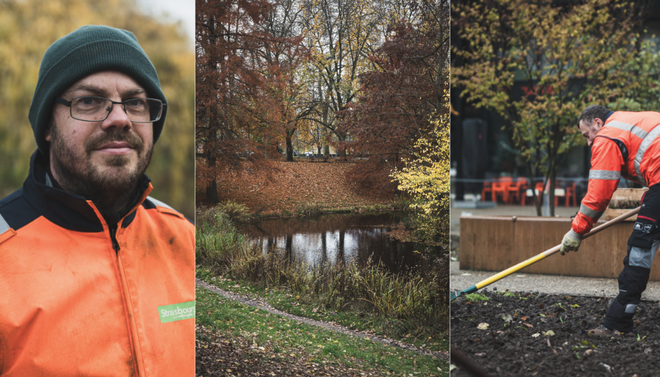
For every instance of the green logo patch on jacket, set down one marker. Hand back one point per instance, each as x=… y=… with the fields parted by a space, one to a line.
x=176 y=312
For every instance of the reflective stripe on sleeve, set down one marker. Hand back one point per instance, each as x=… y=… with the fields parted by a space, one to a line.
x=159 y=203
x=590 y=212
x=642 y=149
x=640 y=133
x=610 y=175
x=3 y=225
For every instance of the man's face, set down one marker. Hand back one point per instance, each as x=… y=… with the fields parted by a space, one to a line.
x=100 y=160
x=589 y=131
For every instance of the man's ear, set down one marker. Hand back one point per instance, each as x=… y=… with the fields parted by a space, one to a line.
x=598 y=122
x=47 y=133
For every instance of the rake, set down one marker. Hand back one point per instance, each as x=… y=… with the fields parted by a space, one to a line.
x=454 y=295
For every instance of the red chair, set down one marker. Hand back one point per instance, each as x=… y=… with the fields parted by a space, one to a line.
x=539 y=188
x=501 y=188
x=570 y=194
x=488 y=187
x=518 y=191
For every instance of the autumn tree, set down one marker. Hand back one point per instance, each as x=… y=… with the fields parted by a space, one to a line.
x=567 y=56
x=425 y=177
x=393 y=109
x=641 y=89
x=228 y=84
x=287 y=103
x=30 y=26
x=339 y=35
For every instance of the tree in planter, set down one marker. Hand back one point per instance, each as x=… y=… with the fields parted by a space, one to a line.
x=642 y=90
x=566 y=57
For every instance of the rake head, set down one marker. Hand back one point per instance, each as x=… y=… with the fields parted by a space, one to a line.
x=455 y=294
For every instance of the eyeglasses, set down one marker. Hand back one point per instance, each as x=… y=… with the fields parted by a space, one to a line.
x=97 y=109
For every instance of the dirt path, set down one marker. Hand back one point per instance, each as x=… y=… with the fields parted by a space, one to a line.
x=260 y=304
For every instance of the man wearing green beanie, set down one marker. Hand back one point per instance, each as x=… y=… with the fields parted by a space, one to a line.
x=96 y=277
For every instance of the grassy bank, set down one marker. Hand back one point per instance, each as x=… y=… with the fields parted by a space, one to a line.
x=408 y=306
x=265 y=340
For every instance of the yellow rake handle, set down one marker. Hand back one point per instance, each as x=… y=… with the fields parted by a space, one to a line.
x=544 y=254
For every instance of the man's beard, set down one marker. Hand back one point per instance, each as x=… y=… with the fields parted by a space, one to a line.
x=78 y=175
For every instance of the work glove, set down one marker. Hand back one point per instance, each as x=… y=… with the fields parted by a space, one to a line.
x=570 y=242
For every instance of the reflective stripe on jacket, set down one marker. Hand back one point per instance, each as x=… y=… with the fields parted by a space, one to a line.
x=78 y=298
x=626 y=145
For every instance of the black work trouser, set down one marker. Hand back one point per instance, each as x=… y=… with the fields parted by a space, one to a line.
x=642 y=245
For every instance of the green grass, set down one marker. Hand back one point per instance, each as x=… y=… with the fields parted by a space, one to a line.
x=408 y=307
x=431 y=337
x=418 y=297
x=475 y=297
x=287 y=337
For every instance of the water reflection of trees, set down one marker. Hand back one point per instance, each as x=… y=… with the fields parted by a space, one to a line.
x=339 y=238
x=306 y=225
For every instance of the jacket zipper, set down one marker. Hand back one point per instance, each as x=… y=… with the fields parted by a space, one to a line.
x=132 y=331
x=113 y=237
x=131 y=321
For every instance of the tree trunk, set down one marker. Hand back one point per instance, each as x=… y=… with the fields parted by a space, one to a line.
x=340 y=249
x=212 y=192
x=289 y=148
x=553 y=183
x=289 y=249
x=212 y=185
x=538 y=200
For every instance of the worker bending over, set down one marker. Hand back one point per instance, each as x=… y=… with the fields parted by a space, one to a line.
x=622 y=143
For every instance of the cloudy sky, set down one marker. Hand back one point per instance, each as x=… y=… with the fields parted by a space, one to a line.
x=175 y=10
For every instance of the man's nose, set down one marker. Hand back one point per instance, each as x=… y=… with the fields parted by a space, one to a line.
x=117 y=118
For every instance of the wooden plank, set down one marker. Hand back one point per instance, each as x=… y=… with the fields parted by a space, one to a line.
x=623 y=200
x=497 y=243
x=613 y=213
x=483 y=234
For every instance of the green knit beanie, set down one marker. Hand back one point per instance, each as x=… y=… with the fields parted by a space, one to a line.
x=85 y=51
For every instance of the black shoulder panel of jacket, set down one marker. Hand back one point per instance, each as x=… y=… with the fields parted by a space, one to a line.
x=151 y=203
x=16 y=211
x=621 y=145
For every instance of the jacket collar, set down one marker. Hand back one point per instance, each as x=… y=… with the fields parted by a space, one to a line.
x=71 y=211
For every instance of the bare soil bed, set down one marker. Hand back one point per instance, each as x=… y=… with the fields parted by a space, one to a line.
x=531 y=334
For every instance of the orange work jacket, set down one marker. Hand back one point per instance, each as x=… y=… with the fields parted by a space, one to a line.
x=627 y=145
x=81 y=298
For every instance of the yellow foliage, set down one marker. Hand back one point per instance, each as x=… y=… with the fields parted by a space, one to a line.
x=426 y=179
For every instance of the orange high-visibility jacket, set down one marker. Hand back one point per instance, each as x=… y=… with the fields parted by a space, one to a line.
x=79 y=298
x=626 y=145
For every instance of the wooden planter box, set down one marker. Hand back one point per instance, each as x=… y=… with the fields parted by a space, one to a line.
x=495 y=243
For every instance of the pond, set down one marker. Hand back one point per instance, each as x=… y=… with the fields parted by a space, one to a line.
x=341 y=237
